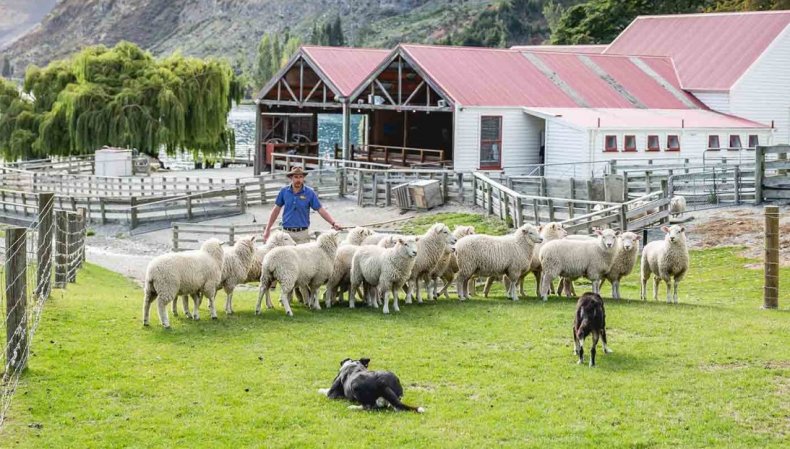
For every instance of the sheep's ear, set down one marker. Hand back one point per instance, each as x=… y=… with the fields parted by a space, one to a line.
x=682 y=229
x=364 y=361
x=598 y=232
x=616 y=233
x=665 y=229
x=222 y=243
x=540 y=228
x=252 y=239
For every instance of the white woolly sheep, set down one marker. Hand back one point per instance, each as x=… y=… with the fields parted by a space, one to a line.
x=431 y=247
x=449 y=263
x=235 y=268
x=677 y=205
x=381 y=271
x=194 y=273
x=277 y=238
x=357 y=235
x=598 y=207
x=306 y=267
x=667 y=259
x=375 y=238
x=485 y=255
x=549 y=231
x=626 y=252
x=573 y=259
x=340 y=278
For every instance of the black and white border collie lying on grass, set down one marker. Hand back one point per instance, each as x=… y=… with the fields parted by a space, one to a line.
x=372 y=389
x=590 y=319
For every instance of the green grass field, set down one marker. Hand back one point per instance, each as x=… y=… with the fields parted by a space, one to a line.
x=713 y=371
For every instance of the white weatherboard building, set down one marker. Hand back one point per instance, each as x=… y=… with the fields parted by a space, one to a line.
x=696 y=87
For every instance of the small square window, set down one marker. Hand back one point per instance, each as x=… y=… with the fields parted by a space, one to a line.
x=630 y=143
x=713 y=143
x=735 y=142
x=610 y=144
x=673 y=142
x=653 y=143
x=754 y=140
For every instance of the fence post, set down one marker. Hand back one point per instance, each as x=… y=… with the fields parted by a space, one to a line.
x=519 y=213
x=61 y=248
x=16 y=297
x=242 y=199
x=759 y=171
x=572 y=196
x=623 y=218
x=232 y=236
x=189 y=206
x=771 y=262
x=490 y=199
x=737 y=181
x=82 y=226
x=474 y=189
x=342 y=190
x=360 y=189
x=133 y=212
x=73 y=248
x=387 y=189
x=175 y=238
x=46 y=208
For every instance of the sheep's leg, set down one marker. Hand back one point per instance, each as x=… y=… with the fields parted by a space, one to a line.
x=385 y=291
x=675 y=290
x=417 y=290
x=656 y=280
x=175 y=306
x=446 y=289
x=328 y=296
x=185 y=306
x=212 y=310
x=352 y=294
x=545 y=281
x=487 y=288
x=262 y=290
x=668 y=282
x=512 y=281
x=395 y=299
x=285 y=298
x=537 y=274
x=643 y=285
x=592 y=350
x=409 y=290
x=162 y=309
x=147 y=300
x=228 y=301
x=521 y=284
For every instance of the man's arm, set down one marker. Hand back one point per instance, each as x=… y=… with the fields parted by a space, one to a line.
x=272 y=218
x=325 y=215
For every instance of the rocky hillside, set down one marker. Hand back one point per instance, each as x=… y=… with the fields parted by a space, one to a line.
x=19 y=16
x=232 y=28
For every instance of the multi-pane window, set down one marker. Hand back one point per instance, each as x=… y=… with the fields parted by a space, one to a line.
x=491 y=142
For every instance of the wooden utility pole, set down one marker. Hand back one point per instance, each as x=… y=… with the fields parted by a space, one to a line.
x=771 y=289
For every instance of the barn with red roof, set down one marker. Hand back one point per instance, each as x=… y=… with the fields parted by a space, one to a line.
x=669 y=87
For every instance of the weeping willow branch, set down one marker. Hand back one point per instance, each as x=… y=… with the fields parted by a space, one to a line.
x=120 y=96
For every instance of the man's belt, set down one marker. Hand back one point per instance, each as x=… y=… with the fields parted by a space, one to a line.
x=294 y=229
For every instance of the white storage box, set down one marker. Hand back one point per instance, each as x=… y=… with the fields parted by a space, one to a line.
x=113 y=162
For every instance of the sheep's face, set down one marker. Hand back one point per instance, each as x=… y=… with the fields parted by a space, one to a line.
x=410 y=246
x=279 y=238
x=607 y=237
x=529 y=232
x=440 y=228
x=553 y=230
x=463 y=231
x=629 y=241
x=675 y=233
x=360 y=233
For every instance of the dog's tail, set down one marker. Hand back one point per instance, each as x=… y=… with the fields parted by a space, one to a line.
x=393 y=399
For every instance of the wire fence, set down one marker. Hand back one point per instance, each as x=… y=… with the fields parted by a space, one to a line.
x=28 y=255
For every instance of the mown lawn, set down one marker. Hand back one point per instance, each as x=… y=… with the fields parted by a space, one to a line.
x=713 y=371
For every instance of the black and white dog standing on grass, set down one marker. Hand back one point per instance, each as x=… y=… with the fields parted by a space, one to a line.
x=590 y=319
x=372 y=389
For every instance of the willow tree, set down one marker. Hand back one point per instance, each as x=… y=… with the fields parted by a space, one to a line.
x=120 y=96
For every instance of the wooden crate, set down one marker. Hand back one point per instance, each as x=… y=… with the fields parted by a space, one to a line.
x=426 y=194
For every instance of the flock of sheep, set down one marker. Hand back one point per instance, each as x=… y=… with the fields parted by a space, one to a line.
x=374 y=267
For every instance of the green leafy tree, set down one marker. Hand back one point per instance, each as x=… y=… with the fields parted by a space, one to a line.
x=7 y=69
x=119 y=96
x=264 y=67
x=289 y=49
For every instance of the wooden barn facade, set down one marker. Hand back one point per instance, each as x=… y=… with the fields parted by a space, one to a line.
x=643 y=96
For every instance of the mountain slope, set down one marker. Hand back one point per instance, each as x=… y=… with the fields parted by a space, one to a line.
x=19 y=16
x=232 y=28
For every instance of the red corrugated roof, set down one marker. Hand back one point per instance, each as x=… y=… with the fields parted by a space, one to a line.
x=487 y=77
x=645 y=118
x=345 y=67
x=710 y=51
x=593 y=49
x=495 y=77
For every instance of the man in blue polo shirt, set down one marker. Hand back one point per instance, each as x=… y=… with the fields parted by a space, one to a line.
x=297 y=199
